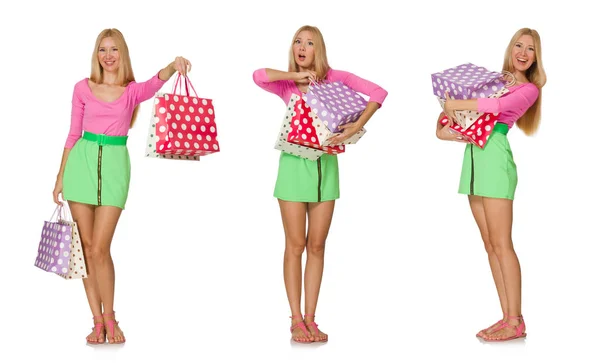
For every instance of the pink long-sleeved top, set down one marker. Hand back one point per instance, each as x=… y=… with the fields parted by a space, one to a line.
x=285 y=89
x=511 y=105
x=90 y=114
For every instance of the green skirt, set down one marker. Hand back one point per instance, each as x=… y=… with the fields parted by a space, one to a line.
x=303 y=180
x=490 y=172
x=98 y=171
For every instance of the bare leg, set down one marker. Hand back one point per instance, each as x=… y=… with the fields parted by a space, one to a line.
x=83 y=214
x=293 y=215
x=499 y=217
x=476 y=203
x=105 y=224
x=319 y=221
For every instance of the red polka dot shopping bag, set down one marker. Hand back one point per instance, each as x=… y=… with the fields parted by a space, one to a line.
x=182 y=126
x=60 y=249
x=282 y=142
x=479 y=132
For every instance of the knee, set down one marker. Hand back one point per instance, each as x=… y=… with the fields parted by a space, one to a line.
x=501 y=246
x=295 y=246
x=316 y=247
x=100 y=254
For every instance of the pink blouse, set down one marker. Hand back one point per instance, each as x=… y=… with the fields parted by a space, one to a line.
x=90 y=114
x=285 y=89
x=511 y=105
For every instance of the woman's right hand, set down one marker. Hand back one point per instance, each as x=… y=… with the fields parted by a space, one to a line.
x=305 y=77
x=58 y=188
x=444 y=132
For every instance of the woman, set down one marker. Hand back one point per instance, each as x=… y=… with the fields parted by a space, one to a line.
x=307 y=187
x=489 y=175
x=94 y=172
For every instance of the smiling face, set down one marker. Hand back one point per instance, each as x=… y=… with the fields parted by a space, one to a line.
x=304 y=51
x=108 y=55
x=523 y=53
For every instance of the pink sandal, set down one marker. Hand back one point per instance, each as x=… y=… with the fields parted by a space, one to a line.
x=302 y=327
x=519 y=330
x=499 y=323
x=98 y=329
x=316 y=329
x=110 y=324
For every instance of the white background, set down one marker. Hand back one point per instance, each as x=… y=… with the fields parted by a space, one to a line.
x=198 y=251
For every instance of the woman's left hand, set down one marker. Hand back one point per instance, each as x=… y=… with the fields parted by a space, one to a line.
x=348 y=130
x=182 y=65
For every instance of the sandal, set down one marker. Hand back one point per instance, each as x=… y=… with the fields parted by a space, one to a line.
x=499 y=323
x=302 y=327
x=519 y=330
x=99 y=330
x=315 y=327
x=110 y=324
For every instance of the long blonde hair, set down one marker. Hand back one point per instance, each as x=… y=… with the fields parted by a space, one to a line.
x=124 y=72
x=321 y=67
x=530 y=121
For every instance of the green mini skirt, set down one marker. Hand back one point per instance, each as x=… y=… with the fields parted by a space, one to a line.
x=303 y=180
x=98 y=171
x=490 y=172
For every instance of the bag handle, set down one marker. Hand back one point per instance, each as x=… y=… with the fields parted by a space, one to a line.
x=61 y=213
x=183 y=83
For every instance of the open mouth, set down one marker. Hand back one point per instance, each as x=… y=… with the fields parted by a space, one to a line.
x=301 y=57
x=522 y=61
x=109 y=63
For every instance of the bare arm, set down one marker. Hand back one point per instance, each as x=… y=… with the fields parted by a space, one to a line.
x=180 y=65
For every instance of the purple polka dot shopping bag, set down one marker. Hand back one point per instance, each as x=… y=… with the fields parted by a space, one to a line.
x=60 y=250
x=335 y=104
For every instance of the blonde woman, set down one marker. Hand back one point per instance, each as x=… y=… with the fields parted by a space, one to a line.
x=489 y=175
x=95 y=170
x=307 y=188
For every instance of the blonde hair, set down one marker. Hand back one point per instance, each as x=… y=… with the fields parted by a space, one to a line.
x=320 y=65
x=530 y=121
x=124 y=72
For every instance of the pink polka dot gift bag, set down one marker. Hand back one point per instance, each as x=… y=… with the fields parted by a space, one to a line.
x=479 y=132
x=182 y=126
x=60 y=250
x=334 y=103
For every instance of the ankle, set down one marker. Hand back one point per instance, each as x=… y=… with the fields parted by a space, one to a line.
x=309 y=318
x=296 y=319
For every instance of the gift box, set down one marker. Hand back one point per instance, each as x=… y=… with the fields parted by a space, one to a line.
x=467 y=118
x=467 y=81
x=308 y=129
x=334 y=103
x=182 y=125
x=479 y=132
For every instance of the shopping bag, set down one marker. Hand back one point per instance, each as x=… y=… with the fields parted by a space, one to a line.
x=479 y=132
x=183 y=126
x=60 y=249
x=334 y=103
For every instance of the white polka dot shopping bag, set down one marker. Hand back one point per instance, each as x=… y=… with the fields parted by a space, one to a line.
x=182 y=126
x=60 y=249
x=467 y=81
x=479 y=132
x=286 y=146
x=334 y=103
x=307 y=129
